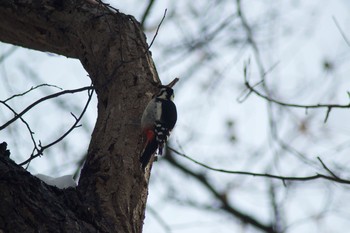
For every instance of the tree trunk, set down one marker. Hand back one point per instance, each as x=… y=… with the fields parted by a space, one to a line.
x=112 y=190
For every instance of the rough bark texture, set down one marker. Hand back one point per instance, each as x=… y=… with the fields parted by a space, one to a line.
x=112 y=190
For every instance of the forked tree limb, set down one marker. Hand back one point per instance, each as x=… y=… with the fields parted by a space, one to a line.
x=112 y=190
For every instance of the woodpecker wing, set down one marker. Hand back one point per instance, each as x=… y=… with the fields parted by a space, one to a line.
x=148 y=152
x=168 y=116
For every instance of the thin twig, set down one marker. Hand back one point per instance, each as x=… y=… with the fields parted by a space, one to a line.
x=146 y=13
x=159 y=218
x=31 y=133
x=341 y=31
x=327 y=114
x=107 y=6
x=266 y=175
x=16 y=117
x=252 y=89
x=31 y=89
x=160 y=23
x=225 y=205
x=75 y=125
x=250 y=38
x=327 y=169
x=8 y=53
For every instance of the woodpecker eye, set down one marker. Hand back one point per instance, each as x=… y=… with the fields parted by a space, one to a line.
x=166 y=93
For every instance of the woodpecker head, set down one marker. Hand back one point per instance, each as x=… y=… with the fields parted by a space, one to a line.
x=165 y=93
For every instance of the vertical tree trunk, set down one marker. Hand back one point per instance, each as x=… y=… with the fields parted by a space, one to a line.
x=112 y=190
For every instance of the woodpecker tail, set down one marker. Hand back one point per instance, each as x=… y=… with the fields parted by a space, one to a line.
x=148 y=152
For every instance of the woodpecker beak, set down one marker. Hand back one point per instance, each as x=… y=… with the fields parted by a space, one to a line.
x=172 y=83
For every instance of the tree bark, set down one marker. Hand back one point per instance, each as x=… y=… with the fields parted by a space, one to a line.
x=112 y=190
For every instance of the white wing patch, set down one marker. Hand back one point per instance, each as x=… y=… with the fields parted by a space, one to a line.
x=158 y=111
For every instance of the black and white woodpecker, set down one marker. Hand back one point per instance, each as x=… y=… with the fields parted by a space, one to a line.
x=157 y=121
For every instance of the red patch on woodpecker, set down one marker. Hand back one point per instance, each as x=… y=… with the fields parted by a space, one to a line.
x=150 y=135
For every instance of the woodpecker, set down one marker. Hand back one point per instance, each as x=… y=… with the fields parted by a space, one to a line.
x=157 y=121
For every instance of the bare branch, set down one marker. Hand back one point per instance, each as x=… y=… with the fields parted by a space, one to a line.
x=31 y=89
x=276 y=208
x=75 y=125
x=31 y=133
x=269 y=99
x=327 y=169
x=327 y=114
x=225 y=205
x=341 y=31
x=16 y=117
x=266 y=175
x=250 y=38
x=146 y=13
x=159 y=218
x=155 y=35
x=7 y=53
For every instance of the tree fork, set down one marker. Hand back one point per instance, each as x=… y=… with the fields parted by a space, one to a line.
x=112 y=190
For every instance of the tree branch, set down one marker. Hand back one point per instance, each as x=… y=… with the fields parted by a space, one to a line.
x=158 y=27
x=341 y=31
x=225 y=205
x=51 y=25
x=31 y=89
x=23 y=195
x=146 y=13
x=112 y=48
x=328 y=106
x=18 y=115
x=266 y=175
x=40 y=151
